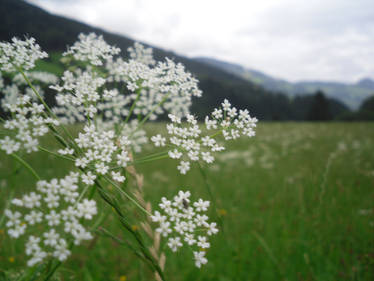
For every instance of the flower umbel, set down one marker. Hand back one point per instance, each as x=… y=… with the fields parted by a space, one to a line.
x=184 y=221
x=54 y=206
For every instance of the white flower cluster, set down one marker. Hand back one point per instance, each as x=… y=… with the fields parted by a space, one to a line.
x=153 y=88
x=141 y=54
x=28 y=122
x=92 y=48
x=80 y=91
x=136 y=136
x=232 y=123
x=99 y=149
x=185 y=221
x=166 y=80
x=188 y=143
x=19 y=87
x=20 y=54
x=55 y=206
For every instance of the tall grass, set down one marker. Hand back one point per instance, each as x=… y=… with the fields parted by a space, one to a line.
x=296 y=204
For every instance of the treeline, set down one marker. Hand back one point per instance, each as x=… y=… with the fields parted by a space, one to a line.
x=365 y=112
x=271 y=106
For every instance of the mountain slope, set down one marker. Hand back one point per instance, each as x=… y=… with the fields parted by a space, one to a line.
x=350 y=94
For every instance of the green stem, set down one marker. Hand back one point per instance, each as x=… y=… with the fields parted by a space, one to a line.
x=56 y=154
x=36 y=93
x=136 y=235
x=212 y=197
x=57 y=265
x=153 y=110
x=130 y=112
x=27 y=166
x=107 y=233
x=151 y=159
x=50 y=274
x=153 y=155
x=44 y=103
x=126 y=195
x=133 y=106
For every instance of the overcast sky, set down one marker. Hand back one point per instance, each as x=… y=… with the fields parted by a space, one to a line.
x=289 y=39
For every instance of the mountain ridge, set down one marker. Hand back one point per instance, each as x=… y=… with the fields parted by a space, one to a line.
x=350 y=94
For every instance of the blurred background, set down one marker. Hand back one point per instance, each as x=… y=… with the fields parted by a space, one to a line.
x=296 y=201
x=283 y=59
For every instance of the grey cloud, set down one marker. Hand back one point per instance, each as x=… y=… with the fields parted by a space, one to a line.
x=292 y=39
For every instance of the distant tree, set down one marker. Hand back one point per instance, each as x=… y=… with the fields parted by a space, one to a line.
x=368 y=104
x=320 y=108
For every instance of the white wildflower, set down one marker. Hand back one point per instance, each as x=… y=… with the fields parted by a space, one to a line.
x=179 y=219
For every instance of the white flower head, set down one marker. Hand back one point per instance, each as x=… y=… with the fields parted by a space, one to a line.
x=183 y=221
x=55 y=206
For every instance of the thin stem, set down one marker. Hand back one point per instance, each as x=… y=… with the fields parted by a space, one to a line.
x=151 y=159
x=153 y=110
x=44 y=103
x=27 y=166
x=36 y=93
x=56 y=154
x=130 y=112
x=212 y=197
x=118 y=240
x=81 y=195
x=57 y=265
x=133 y=106
x=152 y=155
x=136 y=235
x=126 y=195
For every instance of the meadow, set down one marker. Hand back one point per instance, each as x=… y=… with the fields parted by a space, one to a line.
x=296 y=202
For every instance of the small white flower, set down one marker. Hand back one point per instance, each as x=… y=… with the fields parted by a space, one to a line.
x=189 y=238
x=200 y=258
x=174 y=243
x=61 y=250
x=226 y=105
x=212 y=229
x=175 y=154
x=184 y=167
x=158 y=140
x=201 y=220
x=157 y=217
x=118 y=177
x=87 y=209
x=53 y=218
x=201 y=206
x=174 y=118
x=203 y=242
x=51 y=237
x=101 y=168
x=123 y=159
x=164 y=228
x=34 y=217
x=88 y=178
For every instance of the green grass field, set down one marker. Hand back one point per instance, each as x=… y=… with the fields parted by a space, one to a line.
x=296 y=203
